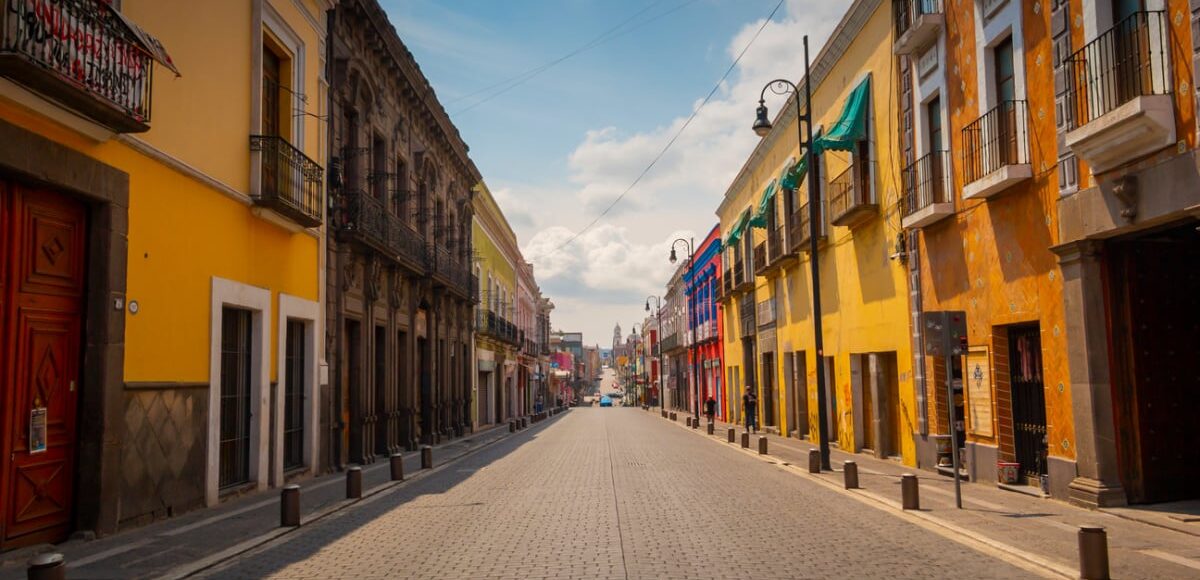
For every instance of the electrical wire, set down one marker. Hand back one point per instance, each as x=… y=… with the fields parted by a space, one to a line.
x=606 y=36
x=675 y=137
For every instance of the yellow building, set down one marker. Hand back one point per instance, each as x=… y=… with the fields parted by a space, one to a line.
x=496 y=334
x=173 y=223
x=767 y=294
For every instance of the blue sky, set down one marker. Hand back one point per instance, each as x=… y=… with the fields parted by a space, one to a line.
x=557 y=148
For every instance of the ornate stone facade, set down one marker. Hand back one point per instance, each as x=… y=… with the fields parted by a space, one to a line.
x=400 y=290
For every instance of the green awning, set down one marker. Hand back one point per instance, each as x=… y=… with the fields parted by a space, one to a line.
x=793 y=175
x=739 y=228
x=764 y=205
x=851 y=126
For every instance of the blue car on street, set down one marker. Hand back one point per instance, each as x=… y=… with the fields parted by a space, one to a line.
x=605 y=401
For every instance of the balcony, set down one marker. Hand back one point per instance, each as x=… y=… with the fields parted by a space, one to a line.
x=996 y=151
x=488 y=323
x=82 y=54
x=760 y=259
x=407 y=244
x=917 y=24
x=449 y=273
x=742 y=278
x=849 y=201
x=746 y=316
x=1118 y=96
x=289 y=182
x=804 y=231
x=928 y=191
x=363 y=221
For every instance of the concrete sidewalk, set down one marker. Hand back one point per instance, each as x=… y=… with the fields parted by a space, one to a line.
x=1043 y=531
x=178 y=546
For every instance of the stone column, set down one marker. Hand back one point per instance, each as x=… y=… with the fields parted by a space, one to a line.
x=1097 y=482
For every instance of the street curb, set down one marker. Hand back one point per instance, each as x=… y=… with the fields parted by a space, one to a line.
x=981 y=543
x=212 y=560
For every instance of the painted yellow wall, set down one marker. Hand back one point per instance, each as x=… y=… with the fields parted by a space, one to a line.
x=182 y=231
x=863 y=292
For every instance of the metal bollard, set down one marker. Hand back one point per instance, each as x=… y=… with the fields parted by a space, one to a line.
x=354 y=483
x=745 y=440
x=673 y=417
x=512 y=426
x=762 y=444
x=850 y=474
x=814 y=461
x=731 y=434
x=711 y=428
x=48 y=566
x=689 y=421
x=524 y=422
x=397 y=467
x=1093 y=553
x=909 y=494
x=289 y=506
x=695 y=423
x=426 y=457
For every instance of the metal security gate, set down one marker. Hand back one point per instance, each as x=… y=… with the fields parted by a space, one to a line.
x=235 y=397
x=293 y=397
x=1028 y=400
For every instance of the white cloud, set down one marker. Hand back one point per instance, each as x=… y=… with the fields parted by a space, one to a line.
x=624 y=257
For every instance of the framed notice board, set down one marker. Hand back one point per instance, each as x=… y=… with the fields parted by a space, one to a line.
x=978 y=376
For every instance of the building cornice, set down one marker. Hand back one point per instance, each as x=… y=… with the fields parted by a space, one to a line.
x=831 y=52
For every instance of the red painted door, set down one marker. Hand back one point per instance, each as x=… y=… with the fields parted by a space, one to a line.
x=44 y=254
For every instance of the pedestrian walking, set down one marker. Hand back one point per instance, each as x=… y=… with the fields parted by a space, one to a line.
x=710 y=408
x=750 y=409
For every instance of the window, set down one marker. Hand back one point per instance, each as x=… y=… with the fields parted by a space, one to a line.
x=378 y=175
x=293 y=393
x=235 y=397
x=933 y=123
x=399 y=190
x=272 y=115
x=1006 y=87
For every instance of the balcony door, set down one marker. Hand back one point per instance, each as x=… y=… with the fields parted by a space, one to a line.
x=933 y=124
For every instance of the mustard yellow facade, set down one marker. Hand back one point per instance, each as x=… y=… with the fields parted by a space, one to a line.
x=199 y=245
x=495 y=247
x=769 y=334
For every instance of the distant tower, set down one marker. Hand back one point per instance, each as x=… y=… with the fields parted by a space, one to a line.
x=617 y=335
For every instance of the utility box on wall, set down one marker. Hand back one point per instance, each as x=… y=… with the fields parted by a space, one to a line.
x=945 y=333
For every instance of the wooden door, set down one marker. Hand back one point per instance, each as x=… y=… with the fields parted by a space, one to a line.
x=868 y=402
x=45 y=256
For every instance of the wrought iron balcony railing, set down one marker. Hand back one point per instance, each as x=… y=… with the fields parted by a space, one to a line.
x=362 y=219
x=407 y=244
x=926 y=182
x=1130 y=60
x=81 y=54
x=997 y=139
x=804 y=232
x=916 y=23
x=849 y=197
x=289 y=182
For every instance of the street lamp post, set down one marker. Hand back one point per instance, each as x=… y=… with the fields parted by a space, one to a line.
x=658 y=316
x=691 y=246
x=762 y=126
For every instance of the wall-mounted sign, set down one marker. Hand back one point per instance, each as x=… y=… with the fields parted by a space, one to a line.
x=37 y=430
x=979 y=392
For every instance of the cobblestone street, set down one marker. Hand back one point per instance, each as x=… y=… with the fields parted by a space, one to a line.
x=613 y=493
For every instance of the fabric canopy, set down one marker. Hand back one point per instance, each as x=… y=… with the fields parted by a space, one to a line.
x=739 y=228
x=764 y=205
x=152 y=46
x=851 y=126
x=793 y=175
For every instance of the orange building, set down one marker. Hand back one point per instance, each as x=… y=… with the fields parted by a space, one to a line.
x=1026 y=140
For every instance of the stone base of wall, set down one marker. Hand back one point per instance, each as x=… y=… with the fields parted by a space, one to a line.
x=163 y=451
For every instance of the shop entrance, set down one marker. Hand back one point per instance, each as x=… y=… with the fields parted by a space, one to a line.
x=769 y=394
x=1155 y=340
x=43 y=244
x=1028 y=400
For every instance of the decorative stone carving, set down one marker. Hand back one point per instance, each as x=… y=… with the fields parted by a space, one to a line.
x=1125 y=189
x=374 y=279
x=350 y=273
x=396 y=284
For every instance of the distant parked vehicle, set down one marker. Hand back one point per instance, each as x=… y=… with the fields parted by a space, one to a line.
x=605 y=402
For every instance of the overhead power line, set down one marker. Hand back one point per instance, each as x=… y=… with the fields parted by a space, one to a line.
x=537 y=69
x=674 y=137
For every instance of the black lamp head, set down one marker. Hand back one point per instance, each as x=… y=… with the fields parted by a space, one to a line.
x=762 y=123
x=672 y=255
